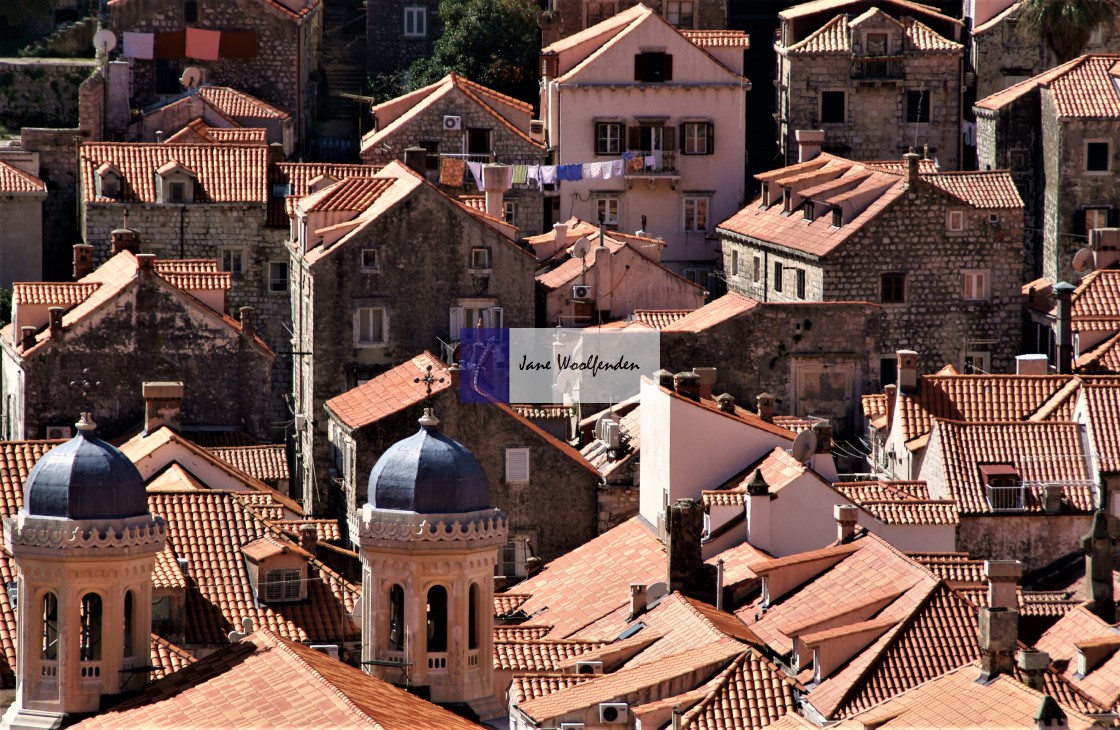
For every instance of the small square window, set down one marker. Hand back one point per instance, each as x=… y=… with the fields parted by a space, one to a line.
x=834 y=107
x=893 y=288
x=233 y=261
x=480 y=258
x=917 y=106
x=510 y=208
x=954 y=221
x=369 y=326
x=176 y=192
x=517 y=466
x=278 y=276
x=680 y=13
x=697 y=138
x=607 y=209
x=653 y=66
x=369 y=259
x=1096 y=156
x=975 y=284
x=1096 y=218
x=756 y=273
x=696 y=213
x=976 y=363
x=415 y=21
x=608 y=138
x=778 y=276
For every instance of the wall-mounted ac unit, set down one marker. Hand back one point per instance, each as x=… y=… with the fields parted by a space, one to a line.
x=613 y=713
x=452 y=123
x=330 y=650
x=58 y=432
x=581 y=291
x=589 y=667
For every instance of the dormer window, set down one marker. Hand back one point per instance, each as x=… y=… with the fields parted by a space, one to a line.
x=876 y=44
x=807 y=210
x=108 y=181
x=1003 y=486
x=319 y=182
x=277 y=570
x=175 y=183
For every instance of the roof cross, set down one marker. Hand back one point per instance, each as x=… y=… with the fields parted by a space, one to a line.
x=428 y=380
x=87 y=385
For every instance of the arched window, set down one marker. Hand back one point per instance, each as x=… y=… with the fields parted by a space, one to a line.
x=91 y=628
x=396 y=618
x=437 y=619
x=472 y=628
x=128 y=649
x=190 y=11
x=50 y=627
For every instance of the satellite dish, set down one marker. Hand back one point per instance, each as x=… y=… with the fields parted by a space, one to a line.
x=359 y=606
x=581 y=247
x=191 y=77
x=1083 y=260
x=655 y=591
x=804 y=445
x=104 y=40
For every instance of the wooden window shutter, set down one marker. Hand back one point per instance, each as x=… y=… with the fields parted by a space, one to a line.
x=711 y=138
x=1079 y=222
x=680 y=137
x=667 y=68
x=634 y=138
x=639 y=67
x=670 y=141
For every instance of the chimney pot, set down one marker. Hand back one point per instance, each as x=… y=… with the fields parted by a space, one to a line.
x=1033 y=665
x=1003 y=580
x=638 y=593
x=27 y=337
x=249 y=322
x=560 y=235
x=664 y=378
x=1064 y=314
x=453 y=373
x=765 y=403
x=144 y=261
x=809 y=143
x=910 y=176
x=163 y=404
x=83 y=260
x=1052 y=500
x=55 y=314
x=686 y=565
x=495 y=183
x=687 y=384
x=757 y=486
x=125 y=239
x=1031 y=365
x=823 y=429
x=846 y=517
x=707 y=381
x=999 y=632
x=308 y=537
x=726 y=402
x=907 y=370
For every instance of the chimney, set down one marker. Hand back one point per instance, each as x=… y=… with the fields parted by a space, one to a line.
x=907 y=370
x=687 y=571
x=707 y=380
x=308 y=537
x=145 y=260
x=276 y=152
x=27 y=337
x=637 y=600
x=55 y=314
x=891 y=391
x=726 y=402
x=1097 y=546
x=687 y=384
x=163 y=405
x=416 y=158
x=1032 y=666
x=125 y=239
x=823 y=429
x=758 y=511
x=1052 y=498
x=1003 y=582
x=495 y=183
x=1050 y=715
x=765 y=403
x=1031 y=365
x=453 y=373
x=999 y=630
x=846 y=517
x=1064 y=292
x=83 y=260
x=248 y=322
x=664 y=378
x=910 y=174
x=809 y=143
x=560 y=235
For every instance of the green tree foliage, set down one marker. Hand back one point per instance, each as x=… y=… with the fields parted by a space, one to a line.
x=491 y=42
x=5 y=306
x=14 y=12
x=1063 y=26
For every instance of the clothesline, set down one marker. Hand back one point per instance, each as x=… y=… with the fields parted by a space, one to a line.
x=452 y=173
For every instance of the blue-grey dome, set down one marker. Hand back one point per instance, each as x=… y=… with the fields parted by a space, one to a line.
x=428 y=473
x=85 y=479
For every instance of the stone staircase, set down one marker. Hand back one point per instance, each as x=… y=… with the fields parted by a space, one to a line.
x=343 y=61
x=70 y=41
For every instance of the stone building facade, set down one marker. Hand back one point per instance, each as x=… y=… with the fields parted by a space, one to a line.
x=268 y=48
x=457 y=119
x=877 y=78
x=1057 y=134
x=941 y=253
x=21 y=208
x=399 y=32
x=563 y=18
x=382 y=268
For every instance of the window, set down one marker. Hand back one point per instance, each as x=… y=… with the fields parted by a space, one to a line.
x=698 y=138
x=176 y=192
x=734 y=263
x=431 y=154
x=696 y=213
x=1096 y=156
x=128 y=619
x=777 y=276
x=396 y=618
x=437 y=619
x=90 y=638
x=875 y=44
x=369 y=260
x=608 y=138
x=1096 y=218
x=917 y=106
x=513 y=557
x=190 y=12
x=976 y=362
x=480 y=258
x=800 y=283
x=233 y=261
x=653 y=67
x=415 y=21
x=975 y=283
x=472 y=616
x=278 y=276
x=517 y=466
x=756 y=274
x=472 y=313
x=370 y=326
x=510 y=208
x=833 y=107
x=888 y=370
x=680 y=14
x=607 y=208
x=698 y=275
x=598 y=11
x=954 y=221
x=50 y=627
x=283 y=585
x=893 y=288
x=478 y=142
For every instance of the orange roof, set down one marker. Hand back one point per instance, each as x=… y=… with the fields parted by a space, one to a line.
x=167 y=658
x=875 y=410
x=268 y=462
x=225 y=173
x=718 y=38
x=55 y=294
x=519 y=633
x=266 y=681
x=987 y=190
x=750 y=694
x=835 y=36
x=235 y=104
x=296 y=177
x=194 y=274
x=539 y=655
x=953 y=568
x=390 y=392
x=906 y=504
x=1102 y=404
x=14 y=181
x=711 y=314
x=198 y=131
x=1081 y=88
x=820 y=6
x=353 y=194
x=1102 y=682
x=325 y=530
x=526 y=687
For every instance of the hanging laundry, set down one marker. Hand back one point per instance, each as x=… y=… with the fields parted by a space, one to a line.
x=203 y=44
x=627 y=155
x=520 y=174
x=616 y=168
x=635 y=164
x=651 y=161
x=549 y=174
x=533 y=175
x=592 y=170
x=476 y=172
x=452 y=170
x=139 y=45
x=507 y=177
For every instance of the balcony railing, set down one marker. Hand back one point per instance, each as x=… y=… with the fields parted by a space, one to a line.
x=878 y=68
x=1012 y=497
x=664 y=163
x=90 y=673
x=437 y=662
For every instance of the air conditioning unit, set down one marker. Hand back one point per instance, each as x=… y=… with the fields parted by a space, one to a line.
x=572 y=726
x=611 y=434
x=613 y=713
x=330 y=650
x=536 y=129
x=452 y=123
x=589 y=667
x=58 y=432
x=581 y=291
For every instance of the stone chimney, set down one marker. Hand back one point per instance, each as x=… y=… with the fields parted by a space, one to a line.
x=560 y=235
x=1050 y=715
x=125 y=239
x=891 y=391
x=27 y=337
x=1097 y=546
x=809 y=143
x=248 y=322
x=1052 y=498
x=765 y=403
x=687 y=572
x=907 y=370
x=687 y=384
x=846 y=517
x=83 y=260
x=276 y=152
x=416 y=158
x=726 y=402
x=55 y=315
x=308 y=538
x=453 y=373
x=758 y=511
x=664 y=378
x=638 y=592
x=1064 y=313
x=707 y=380
x=163 y=405
x=1003 y=582
x=1032 y=667
x=1031 y=365
x=910 y=173
x=999 y=630
x=823 y=429
x=495 y=183
x=144 y=261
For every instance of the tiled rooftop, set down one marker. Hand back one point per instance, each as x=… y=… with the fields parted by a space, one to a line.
x=527 y=687
x=54 y=294
x=835 y=36
x=900 y=503
x=238 y=104
x=711 y=314
x=198 y=131
x=750 y=694
x=718 y=38
x=539 y=655
x=14 y=181
x=820 y=6
x=1102 y=683
x=351 y=195
x=390 y=392
x=267 y=462
x=992 y=190
x=1080 y=88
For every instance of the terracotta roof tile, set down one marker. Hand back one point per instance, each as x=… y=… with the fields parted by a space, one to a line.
x=953 y=568
x=527 y=687
x=924 y=38
x=166 y=573
x=267 y=462
x=718 y=38
x=539 y=655
x=989 y=190
x=14 y=181
x=835 y=36
x=388 y=393
x=900 y=503
x=194 y=274
x=1102 y=683
x=266 y=682
x=325 y=530
x=712 y=314
x=1014 y=92
x=351 y=195
x=520 y=633
x=225 y=173
x=832 y=37
x=508 y=602
x=234 y=103
x=167 y=658
x=750 y=694
x=16 y=460
x=1102 y=359
x=1082 y=88
x=54 y=294
x=198 y=131
x=1048 y=604
x=819 y=6
x=660 y=318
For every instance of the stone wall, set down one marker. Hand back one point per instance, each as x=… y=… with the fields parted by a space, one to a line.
x=1033 y=539
x=616 y=505
x=763 y=289
x=388 y=50
x=58 y=168
x=568 y=16
x=41 y=92
x=21 y=239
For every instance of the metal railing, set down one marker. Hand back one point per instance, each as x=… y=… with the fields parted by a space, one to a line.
x=1001 y=498
x=665 y=163
x=872 y=68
